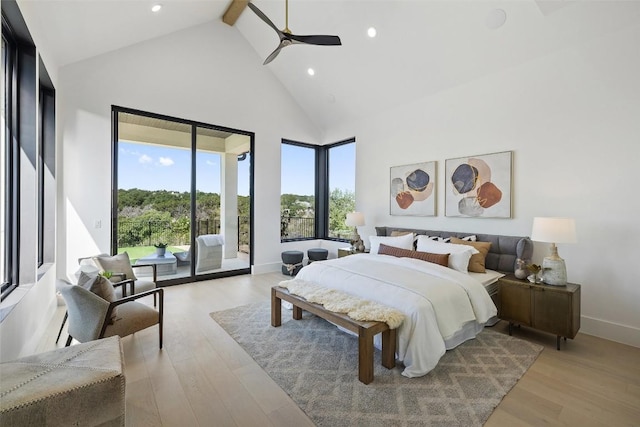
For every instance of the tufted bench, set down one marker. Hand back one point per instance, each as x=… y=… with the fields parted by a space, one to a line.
x=82 y=385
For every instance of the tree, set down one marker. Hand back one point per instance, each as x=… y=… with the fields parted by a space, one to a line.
x=341 y=202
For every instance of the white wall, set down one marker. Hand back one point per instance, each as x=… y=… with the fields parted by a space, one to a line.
x=572 y=120
x=208 y=74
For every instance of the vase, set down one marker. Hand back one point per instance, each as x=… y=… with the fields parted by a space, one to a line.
x=521 y=273
x=160 y=251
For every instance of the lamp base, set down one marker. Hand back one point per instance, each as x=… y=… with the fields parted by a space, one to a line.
x=356 y=242
x=554 y=271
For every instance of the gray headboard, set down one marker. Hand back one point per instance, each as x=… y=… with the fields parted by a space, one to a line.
x=503 y=252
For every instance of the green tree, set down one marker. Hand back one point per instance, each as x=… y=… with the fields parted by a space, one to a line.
x=341 y=202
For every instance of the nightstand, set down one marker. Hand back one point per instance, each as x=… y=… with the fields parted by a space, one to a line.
x=553 y=309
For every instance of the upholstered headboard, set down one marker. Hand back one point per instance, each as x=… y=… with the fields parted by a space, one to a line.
x=503 y=252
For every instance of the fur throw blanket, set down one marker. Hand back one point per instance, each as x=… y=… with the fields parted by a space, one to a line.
x=340 y=302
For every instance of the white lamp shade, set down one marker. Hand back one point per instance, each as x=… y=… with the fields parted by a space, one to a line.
x=354 y=219
x=554 y=230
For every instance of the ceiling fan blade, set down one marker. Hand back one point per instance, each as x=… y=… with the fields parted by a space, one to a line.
x=317 y=40
x=274 y=54
x=263 y=17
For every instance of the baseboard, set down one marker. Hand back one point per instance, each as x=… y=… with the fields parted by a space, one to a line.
x=610 y=331
x=271 y=267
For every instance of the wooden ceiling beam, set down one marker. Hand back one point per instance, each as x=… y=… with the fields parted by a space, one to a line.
x=234 y=11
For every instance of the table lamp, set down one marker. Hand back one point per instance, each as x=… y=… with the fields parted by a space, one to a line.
x=554 y=230
x=354 y=219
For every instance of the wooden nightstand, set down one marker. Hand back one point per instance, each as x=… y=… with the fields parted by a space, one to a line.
x=553 y=309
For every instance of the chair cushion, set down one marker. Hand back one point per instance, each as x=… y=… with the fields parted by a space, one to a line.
x=116 y=264
x=134 y=317
x=101 y=287
x=140 y=285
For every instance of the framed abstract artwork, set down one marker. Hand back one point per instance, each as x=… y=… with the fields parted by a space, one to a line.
x=413 y=189
x=479 y=186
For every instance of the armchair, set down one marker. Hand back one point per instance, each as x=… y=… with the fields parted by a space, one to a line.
x=122 y=275
x=209 y=252
x=90 y=316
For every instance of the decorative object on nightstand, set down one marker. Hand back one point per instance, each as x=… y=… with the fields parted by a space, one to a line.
x=355 y=219
x=554 y=230
x=535 y=270
x=521 y=271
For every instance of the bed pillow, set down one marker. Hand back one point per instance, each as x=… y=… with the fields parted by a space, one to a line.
x=397 y=233
x=99 y=286
x=441 y=259
x=476 y=263
x=470 y=238
x=116 y=264
x=459 y=255
x=403 y=242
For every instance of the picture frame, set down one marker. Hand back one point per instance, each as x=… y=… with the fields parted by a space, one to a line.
x=479 y=186
x=413 y=189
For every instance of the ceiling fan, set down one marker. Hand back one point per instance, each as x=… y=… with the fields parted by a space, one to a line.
x=287 y=39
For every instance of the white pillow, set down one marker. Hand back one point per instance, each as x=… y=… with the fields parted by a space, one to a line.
x=402 y=242
x=459 y=255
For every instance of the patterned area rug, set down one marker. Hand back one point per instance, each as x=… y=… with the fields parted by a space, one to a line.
x=316 y=364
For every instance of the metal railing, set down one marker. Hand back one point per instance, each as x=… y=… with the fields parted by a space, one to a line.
x=134 y=232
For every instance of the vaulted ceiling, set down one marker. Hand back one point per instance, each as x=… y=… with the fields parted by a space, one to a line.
x=422 y=47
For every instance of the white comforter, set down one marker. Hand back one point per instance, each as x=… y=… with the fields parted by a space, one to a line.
x=441 y=305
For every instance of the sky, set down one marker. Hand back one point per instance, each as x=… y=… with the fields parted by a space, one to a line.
x=153 y=167
x=298 y=173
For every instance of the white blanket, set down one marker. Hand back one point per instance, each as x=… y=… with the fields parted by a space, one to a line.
x=438 y=302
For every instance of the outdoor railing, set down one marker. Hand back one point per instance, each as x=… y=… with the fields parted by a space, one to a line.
x=134 y=232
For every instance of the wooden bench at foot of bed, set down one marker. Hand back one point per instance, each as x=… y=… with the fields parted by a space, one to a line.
x=365 y=330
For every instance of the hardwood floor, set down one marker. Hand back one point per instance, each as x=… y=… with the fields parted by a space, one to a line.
x=203 y=378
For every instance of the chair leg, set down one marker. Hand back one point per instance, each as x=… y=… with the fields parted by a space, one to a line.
x=69 y=341
x=66 y=315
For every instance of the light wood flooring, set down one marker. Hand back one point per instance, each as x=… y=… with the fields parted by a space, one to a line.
x=203 y=378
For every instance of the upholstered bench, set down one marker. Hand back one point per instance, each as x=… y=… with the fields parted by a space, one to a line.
x=82 y=385
x=317 y=254
x=291 y=262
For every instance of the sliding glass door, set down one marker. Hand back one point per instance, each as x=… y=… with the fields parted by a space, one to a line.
x=183 y=196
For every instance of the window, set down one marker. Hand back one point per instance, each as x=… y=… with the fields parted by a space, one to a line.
x=46 y=169
x=297 y=199
x=8 y=165
x=27 y=177
x=342 y=184
x=317 y=190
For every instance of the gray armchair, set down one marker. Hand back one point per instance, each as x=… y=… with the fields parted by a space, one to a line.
x=122 y=278
x=90 y=316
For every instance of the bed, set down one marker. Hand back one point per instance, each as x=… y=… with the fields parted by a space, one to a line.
x=443 y=307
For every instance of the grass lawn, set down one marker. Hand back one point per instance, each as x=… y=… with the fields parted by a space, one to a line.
x=137 y=252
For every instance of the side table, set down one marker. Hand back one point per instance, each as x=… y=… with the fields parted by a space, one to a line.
x=553 y=309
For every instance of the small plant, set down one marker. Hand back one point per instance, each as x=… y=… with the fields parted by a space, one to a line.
x=106 y=274
x=160 y=245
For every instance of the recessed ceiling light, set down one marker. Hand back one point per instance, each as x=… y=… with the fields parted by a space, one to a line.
x=311 y=71
x=156 y=8
x=371 y=32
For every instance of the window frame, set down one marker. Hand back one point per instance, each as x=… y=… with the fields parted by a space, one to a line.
x=322 y=190
x=11 y=203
